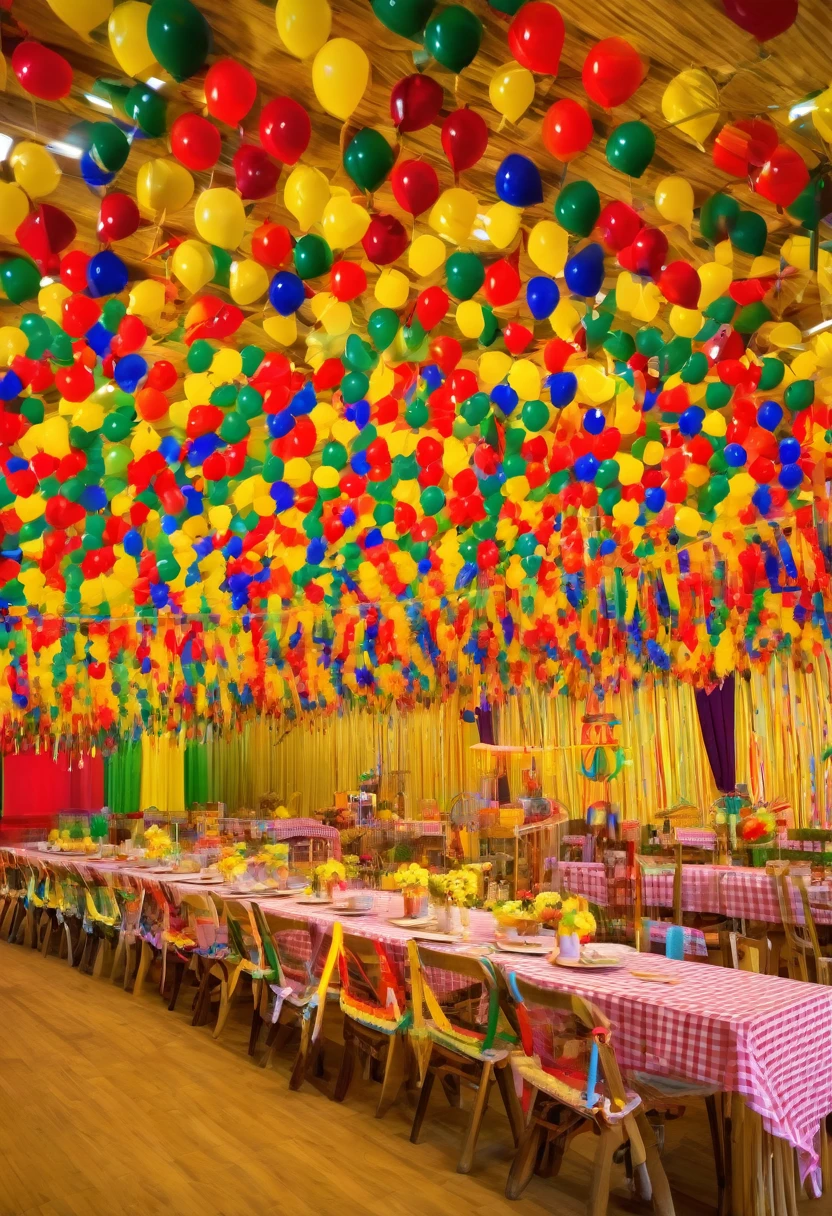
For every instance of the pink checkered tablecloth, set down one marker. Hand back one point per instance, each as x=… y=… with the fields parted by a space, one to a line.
x=743 y=893
x=695 y=838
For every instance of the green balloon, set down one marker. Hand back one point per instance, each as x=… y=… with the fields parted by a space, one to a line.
x=414 y=334
x=432 y=500
x=475 y=408
x=252 y=356
x=596 y=328
x=222 y=266
x=749 y=233
x=313 y=256
x=20 y=279
x=718 y=395
x=109 y=146
x=148 y=109
x=354 y=387
x=405 y=17
x=608 y=498
x=772 y=374
x=535 y=415
x=224 y=395
x=513 y=464
x=464 y=274
x=234 y=428
x=721 y=310
x=696 y=368
x=112 y=314
x=674 y=355
x=117 y=459
x=453 y=37
x=607 y=473
x=577 y=208
x=33 y=411
x=117 y=426
x=620 y=345
x=750 y=318
x=806 y=207
x=334 y=455
x=630 y=148
x=416 y=414
x=382 y=326
x=509 y=7
x=717 y=217
x=179 y=37
x=368 y=159
x=799 y=395
x=250 y=402
x=359 y=355
x=649 y=341
x=200 y=356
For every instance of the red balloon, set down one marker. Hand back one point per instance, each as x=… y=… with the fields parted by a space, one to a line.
x=502 y=283
x=230 y=91
x=42 y=72
x=763 y=18
x=385 y=240
x=431 y=307
x=195 y=142
x=118 y=217
x=75 y=382
x=567 y=129
x=415 y=102
x=679 y=284
x=285 y=129
x=619 y=225
x=271 y=245
x=535 y=37
x=517 y=337
x=446 y=352
x=647 y=253
x=415 y=185
x=782 y=178
x=78 y=315
x=464 y=138
x=612 y=72
x=74 y=270
x=43 y=234
x=347 y=281
x=162 y=375
x=743 y=145
x=255 y=173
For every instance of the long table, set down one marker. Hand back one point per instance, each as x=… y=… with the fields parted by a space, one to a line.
x=734 y=891
x=766 y=1038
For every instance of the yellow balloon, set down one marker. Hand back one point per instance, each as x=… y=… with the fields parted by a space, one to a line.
x=303 y=25
x=691 y=103
x=82 y=15
x=14 y=207
x=689 y=522
x=13 y=342
x=715 y=280
x=248 y=282
x=714 y=425
x=50 y=301
x=306 y=194
x=220 y=217
x=674 y=200
x=686 y=322
x=524 y=378
x=630 y=470
x=511 y=91
x=193 y=265
x=343 y=221
x=35 y=169
x=501 y=224
x=392 y=288
x=426 y=254
x=548 y=247
x=340 y=72
x=164 y=185
x=469 y=319
x=822 y=114
x=494 y=366
x=147 y=299
x=127 y=30
x=453 y=214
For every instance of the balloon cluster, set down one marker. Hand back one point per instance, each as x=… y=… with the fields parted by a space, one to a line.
x=551 y=451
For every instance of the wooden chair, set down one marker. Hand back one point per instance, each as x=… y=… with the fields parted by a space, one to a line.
x=130 y=897
x=221 y=976
x=453 y=1042
x=302 y=993
x=801 y=939
x=376 y=1017
x=581 y=1088
x=745 y=953
x=101 y=922
x=191 y=931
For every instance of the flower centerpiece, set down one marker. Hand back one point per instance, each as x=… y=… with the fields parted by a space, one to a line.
x=757 y=830
x=233 y=863
x=327 y=876
x=517 y=916
x=576 y=923
x=454 y=894
x=548 y=906
x=157 y=843
x=412 y=881
x=274 y=860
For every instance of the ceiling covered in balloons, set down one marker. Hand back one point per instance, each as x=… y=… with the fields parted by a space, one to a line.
x=358 y=352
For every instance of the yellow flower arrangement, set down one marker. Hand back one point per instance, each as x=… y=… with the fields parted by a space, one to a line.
x=273 y=856
x=576 y=918
x=330 y=871
x=157 y=843
x=460 y=886
x=547 y=905
x=282 y=813
x=234 y=863
x=411 y=876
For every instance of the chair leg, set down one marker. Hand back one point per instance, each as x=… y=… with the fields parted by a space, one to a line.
x=662 y=1198
x=422 y=1105
x=719 y=1154
x=103 y=959
x=145 y=960
x=342 y=1082
x=302 y=1059
x=119 y=960
x=178 y=972
x=131 y=965
x=453 y=1090
x=522 y=1167
x=226 y=1001
x=256 y=1024
x=599 y=1192
x=505 y=1083
x=394 y=1069
x=475 y=1123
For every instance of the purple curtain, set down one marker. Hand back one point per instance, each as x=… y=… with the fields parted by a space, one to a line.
x=485 y=728
x=716 y=718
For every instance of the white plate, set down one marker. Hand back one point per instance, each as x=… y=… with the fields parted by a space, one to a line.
x=310 y=899
x=525 y=947
x=407 y=922
x=277 y=893
x=580 y=964
x=422 y=936
x=351 y=911
x=214 y=880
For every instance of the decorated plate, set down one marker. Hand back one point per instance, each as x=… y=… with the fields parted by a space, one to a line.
x=313 y=899
x=525 y=947
x=590 y=964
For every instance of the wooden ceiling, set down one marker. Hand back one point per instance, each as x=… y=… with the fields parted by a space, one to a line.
x=672 y=36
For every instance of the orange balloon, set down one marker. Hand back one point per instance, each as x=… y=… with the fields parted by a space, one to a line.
x=151 y=404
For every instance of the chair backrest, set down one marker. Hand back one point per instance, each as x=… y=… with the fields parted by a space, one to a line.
x=667 y=878
x=745 y=953
x=290 y=946
x=457 y=1014
x=371 y=991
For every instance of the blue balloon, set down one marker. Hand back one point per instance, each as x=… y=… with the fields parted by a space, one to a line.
x=280 y=424
x=130 y=372
x=584 y=273
x=93 y=498
x=504 y=397
x=203 y=447
x=286 y=293
x=362 y=414
x=586 y=467
x=762 y=499
x=517 y=181
x=432 y=375
x=170 y=449
x=654 y=498
x=791 y=475
x=316 y=551
x=562 y=388
x=159 y=594
x=789 y=450
x=542 y=296
x=594 y=422
x=11 y=386
x=283 y=495
x=735 y=455
x=360 y=464
x=92 y=174
x=100 y=339
x=769 y=416
x=690 y=420
x=106 y=274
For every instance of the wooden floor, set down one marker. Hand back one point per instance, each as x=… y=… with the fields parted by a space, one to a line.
x=112 y=1107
